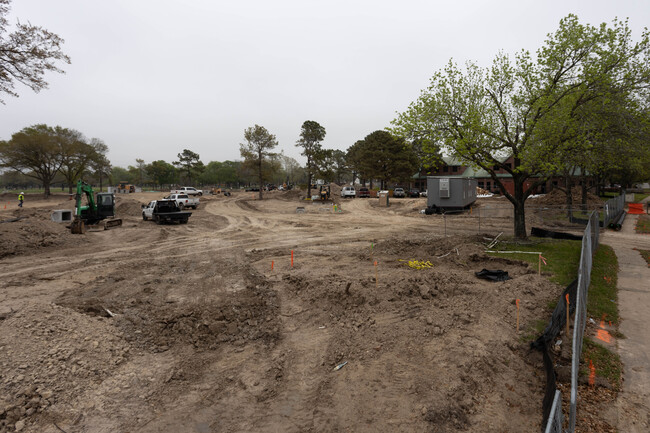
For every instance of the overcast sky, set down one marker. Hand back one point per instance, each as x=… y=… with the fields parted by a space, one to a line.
x=154 y=77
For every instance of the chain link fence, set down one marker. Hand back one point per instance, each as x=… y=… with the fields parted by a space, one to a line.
x=612 y=209
x=556 y=418
x=590 y=240
x=499 y=217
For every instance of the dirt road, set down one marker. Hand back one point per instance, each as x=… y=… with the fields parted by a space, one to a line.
x=207 y=327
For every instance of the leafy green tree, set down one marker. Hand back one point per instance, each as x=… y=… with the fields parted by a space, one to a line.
x=141 y=165
x=340 y=165
x=358 y=157
x=227 y=173
x=35 y=151
x=26 y=54
x=210 y=174
x=161 y=172
x=323 y=163
x=190 y=163
x=388 y=158
x=292 y=170
x=76 y=155
x=311 y=135
x=121 y=174
x=100 y=163
x=256 y=151
x=527 y=108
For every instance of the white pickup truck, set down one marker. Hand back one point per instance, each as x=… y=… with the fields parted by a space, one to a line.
x=164 y=211
x=184 y=201
x=189 y=190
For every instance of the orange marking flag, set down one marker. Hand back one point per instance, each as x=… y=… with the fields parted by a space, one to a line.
x=602 y=334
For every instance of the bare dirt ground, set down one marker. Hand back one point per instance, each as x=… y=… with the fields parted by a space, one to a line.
x=213 y=330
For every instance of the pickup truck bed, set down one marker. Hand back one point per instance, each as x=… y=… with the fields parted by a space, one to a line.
x=164 y=211
x=169 y=217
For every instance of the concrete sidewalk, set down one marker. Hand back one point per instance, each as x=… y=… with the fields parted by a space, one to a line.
x=633 y=405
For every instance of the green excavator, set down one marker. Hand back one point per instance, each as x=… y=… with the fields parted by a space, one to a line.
x=98 y=207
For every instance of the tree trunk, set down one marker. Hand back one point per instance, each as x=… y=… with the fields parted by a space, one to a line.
x=260 y=176
x=519 y=203
x=584 y=193
x=100 y=181
x=569 y=195
x=69 y=188
x=46 y=187
x=308 y=178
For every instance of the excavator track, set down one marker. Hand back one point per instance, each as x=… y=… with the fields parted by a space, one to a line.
x=117 y=222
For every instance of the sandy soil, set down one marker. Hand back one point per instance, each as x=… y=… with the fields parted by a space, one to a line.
x=207 y=327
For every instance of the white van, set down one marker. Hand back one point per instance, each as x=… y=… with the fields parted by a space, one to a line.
x=348 y=191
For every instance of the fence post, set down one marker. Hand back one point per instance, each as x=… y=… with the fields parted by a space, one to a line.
x=444 y=218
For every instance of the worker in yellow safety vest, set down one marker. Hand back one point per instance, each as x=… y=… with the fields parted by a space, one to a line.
x=21 y=199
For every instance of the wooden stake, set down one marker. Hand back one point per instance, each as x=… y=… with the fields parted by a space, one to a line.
x=292 y=258
x=539 y=265
x=567 y=315
x=271 y=264
x=376 y=276
x=517 y=302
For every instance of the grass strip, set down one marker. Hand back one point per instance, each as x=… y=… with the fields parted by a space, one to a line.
x=646 y=255
x=607 y=363
x=602 y=302
x=562 y=257
x=639 y=196
x=643 y=224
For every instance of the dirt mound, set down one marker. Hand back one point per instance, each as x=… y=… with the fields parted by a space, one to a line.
x=558 y=198
x=29 y=230
x=73 y=352
x=291 y=195
x=127 y=207
x=247 y=315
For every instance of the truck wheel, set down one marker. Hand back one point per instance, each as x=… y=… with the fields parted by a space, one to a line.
x=200 y=194
x=144 y=217
x=181 y=206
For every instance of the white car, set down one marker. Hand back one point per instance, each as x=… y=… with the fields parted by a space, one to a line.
x=348 y=191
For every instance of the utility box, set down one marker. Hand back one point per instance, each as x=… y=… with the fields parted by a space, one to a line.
x=450 y=193
x=383 y=198
x=61 y=216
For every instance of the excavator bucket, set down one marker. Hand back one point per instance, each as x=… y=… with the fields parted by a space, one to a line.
x=78 y=227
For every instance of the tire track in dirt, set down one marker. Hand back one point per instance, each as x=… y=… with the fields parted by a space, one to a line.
x=298 y=401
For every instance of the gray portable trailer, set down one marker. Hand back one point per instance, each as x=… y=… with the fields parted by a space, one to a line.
x=450 y=193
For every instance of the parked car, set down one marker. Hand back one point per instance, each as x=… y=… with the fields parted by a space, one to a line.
x=363 y=193
x=414 y=192
x=348 y=191
x=399 y=192
x=425 y=193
